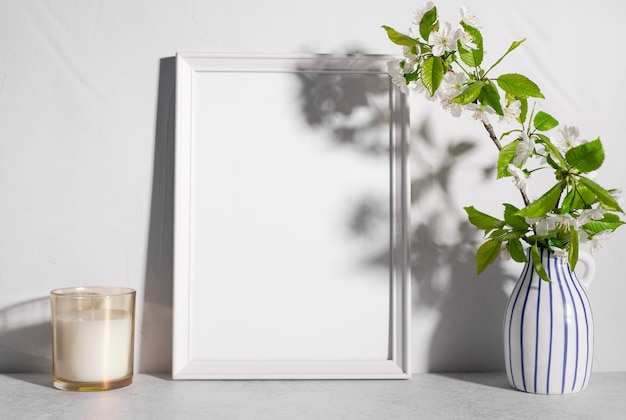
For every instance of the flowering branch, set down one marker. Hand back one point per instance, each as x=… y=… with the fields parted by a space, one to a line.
x=494 y=138
x=492 y=135
x=445 y=63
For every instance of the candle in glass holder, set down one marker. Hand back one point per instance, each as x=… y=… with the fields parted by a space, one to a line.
x=93 y=337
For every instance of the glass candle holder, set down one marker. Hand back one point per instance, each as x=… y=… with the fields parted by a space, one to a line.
x=93 y=330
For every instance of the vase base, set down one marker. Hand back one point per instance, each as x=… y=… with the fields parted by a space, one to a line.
x=548 y=392
x=92 y=386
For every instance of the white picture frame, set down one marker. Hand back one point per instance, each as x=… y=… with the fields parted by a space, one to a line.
x=210 y=322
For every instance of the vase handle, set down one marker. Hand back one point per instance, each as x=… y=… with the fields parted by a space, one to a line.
x=590 y=268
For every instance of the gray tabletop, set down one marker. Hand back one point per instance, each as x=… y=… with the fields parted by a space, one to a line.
x=425 y=396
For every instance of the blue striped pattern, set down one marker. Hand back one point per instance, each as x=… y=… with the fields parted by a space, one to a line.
x=548 y=331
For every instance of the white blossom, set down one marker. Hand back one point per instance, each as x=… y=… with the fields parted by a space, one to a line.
x=452 y=85
x=418 y=15
x=565 y=220
x=559 y=252
x=532 y=220
x=590 y=214
x=400 y=83
x=551 y=221
x=394 y=68
x=543 y=227
x=469 y=17
x=454 y=109
x=480 y=113
x=443 y=40
x=417 y=86
x=519 y=177
x=511 y=112
x=411 y=60
x=599 y=239
x=525 y=147
x=567 y=138
x=466 y=40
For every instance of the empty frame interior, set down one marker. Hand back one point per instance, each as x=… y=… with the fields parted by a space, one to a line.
x=290 y=244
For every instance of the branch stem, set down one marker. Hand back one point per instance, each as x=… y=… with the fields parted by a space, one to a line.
x=492 y=135
x=496 y=141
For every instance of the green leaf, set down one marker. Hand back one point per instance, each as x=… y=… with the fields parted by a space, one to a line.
x=524 y=110
x=411 y=77
x=516 y=250
x=554 y=152
x=518 y=86
x=610 y=221
x=513 y=46
x=427 y=24
x=544 y=204
x=448 y=60
x=507 y=234
x=534 y=253
x=544 y=121
x=584 y=198
x=499 y=234
x=578 y=198
x=481 y=220
x=472 y=57
x=572 y=247
x=399 y=38
x=489 y=95
x=431 y=74
x=552 y=162
x=470 y=94
x=512 y=219
x=507 y=155
x=604 y=197
x=568 y=202
x=487 y=254
x=586 y=157
x=555 y=243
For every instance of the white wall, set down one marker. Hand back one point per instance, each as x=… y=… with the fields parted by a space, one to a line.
x=86 y=152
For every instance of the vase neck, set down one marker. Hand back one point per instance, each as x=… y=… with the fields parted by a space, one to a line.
x=546 y=254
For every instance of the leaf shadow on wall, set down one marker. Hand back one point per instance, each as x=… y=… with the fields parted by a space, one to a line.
x=155 y=333
x=469 y=310
x=351 y=112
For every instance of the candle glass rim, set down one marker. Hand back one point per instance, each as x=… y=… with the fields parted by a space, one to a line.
x=91 y=291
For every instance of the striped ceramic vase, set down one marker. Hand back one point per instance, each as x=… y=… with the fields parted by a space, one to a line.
x=548 y=329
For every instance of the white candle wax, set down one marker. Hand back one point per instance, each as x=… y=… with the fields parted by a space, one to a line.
x=93 y=346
